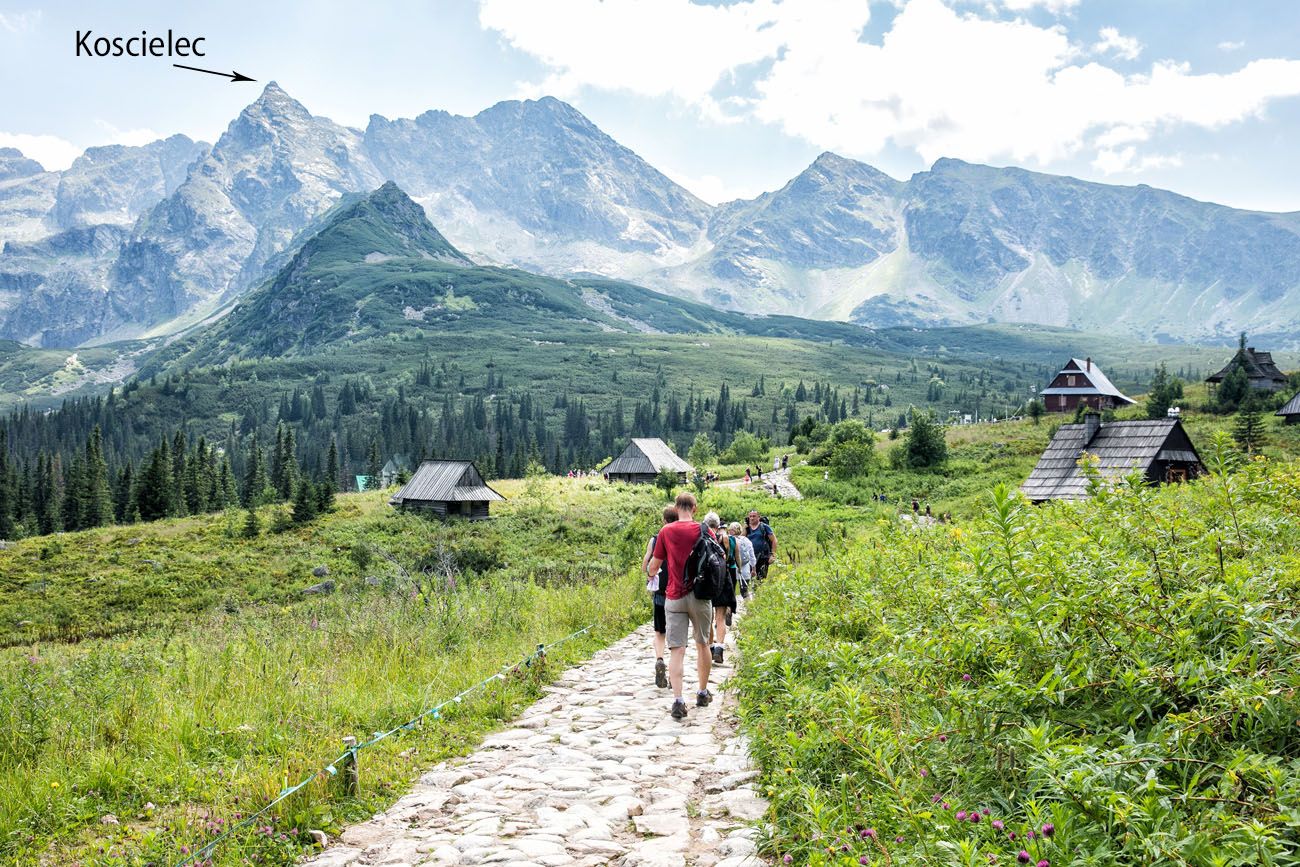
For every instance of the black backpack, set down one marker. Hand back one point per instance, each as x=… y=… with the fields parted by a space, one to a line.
x=706 y=567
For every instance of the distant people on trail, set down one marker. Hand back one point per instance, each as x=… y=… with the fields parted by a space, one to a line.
x=686 y=615
x=748 y=478
x=724 y=602
x=826 y=475
x=657 y=584
x=916 y=507
x=927 y=511
x=776 y=464
x=744 y=557
x=764 y=542
x=785 y=462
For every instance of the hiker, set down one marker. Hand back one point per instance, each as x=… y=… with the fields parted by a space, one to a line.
x=686 y=615
x=724 y=602
x=916 y=507
x=656 y=583
x=927 y=511
x=785 y=462
x=776 y=464
x=747 y=476
x=744 y=556
x=763 y=540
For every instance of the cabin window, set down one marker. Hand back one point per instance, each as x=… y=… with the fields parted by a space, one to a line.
x=1060 y=401
x=1069 y=380
x=1176 y=474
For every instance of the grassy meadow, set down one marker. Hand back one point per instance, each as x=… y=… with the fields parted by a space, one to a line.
x=1106 y=683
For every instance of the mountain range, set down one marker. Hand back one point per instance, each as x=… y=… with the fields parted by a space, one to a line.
x=152 y=240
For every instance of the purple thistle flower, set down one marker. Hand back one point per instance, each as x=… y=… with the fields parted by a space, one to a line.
x=924 y=772
x=1044 y=863
x=870 y=833
x=961 y=815
x=1049 y=829
x=788 y=859
x=934 y=799
x=998 y=825
x=975 y=818
x=943 y=739
x=1029 y=835
x=1011 y=835
x=985 y=811
x=898 y=839
x=965 y=678
x=947 y=806
x=863 y=859
x=1023 y=857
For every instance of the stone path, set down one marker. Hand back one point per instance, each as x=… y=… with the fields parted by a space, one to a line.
x=594 y=773
x=784 y=487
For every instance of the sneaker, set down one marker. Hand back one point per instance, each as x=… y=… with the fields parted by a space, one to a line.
x=679 y=709
x=717 y=654
x=661 y=674
x=702 y=699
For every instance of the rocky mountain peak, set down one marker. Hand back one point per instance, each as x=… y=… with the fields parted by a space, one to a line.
x=14 y=165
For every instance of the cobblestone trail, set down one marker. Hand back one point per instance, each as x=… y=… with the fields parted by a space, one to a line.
x=594 y=773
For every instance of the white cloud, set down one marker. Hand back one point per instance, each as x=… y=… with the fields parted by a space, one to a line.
x=1112 y=42
x=1127 y=160
x=941 y=82
x=1229 y=45
x=130 y=137
x=710 y=188
x=49 y=150
x=20 y=22
x=1053 y=6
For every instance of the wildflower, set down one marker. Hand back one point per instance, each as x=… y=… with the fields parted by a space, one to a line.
x=1049 y=829
x=788 y=859
x=898 y=839
x=1011 y=835
x=943 y=739
x=961 y=815
x=924 y=772
x=869 y=834
x=985 y=811
x=975 y=818
x=863 y=859
x=965 y=678
x=1030 y=834
x=934 y=799
x=998 y=825
x=947 y=806
x=54 y=785
x=1023 y=857
x=1044 y=863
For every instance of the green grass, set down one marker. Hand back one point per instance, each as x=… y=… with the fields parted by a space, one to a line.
x=1124 y=669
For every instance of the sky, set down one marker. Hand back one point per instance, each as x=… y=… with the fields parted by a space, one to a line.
x=728 y=98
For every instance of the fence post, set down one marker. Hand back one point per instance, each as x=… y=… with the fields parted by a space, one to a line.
x=351 y=771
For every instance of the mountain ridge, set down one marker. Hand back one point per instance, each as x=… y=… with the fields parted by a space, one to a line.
x=536 y=184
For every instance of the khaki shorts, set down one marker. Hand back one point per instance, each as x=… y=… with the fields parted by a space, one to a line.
x=684 y=613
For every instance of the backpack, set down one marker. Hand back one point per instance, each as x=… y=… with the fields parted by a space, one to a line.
x=662 y=577
x=706 y=567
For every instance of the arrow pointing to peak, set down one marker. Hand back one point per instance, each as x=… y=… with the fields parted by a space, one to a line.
x=232 y=75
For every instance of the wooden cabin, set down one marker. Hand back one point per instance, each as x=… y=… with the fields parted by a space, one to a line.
x=447 y=489
x=1081 y=382
x=642 y=460
x=1261 y=371
x=1161 y=449
x=1291 y=411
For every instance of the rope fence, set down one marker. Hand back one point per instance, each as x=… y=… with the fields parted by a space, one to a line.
x=346 y=762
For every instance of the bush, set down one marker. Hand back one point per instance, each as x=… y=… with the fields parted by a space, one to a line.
x=926 y=446
x=746 y=449
x=1128 y=694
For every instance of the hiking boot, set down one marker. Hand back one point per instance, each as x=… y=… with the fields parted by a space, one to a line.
x=679 y=709
x=661 y=674
x=702 y=699
x=717 y=654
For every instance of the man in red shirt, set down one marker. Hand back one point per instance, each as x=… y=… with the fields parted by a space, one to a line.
x=685 y=614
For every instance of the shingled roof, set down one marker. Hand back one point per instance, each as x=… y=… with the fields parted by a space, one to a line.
x=445 y=482
x=1095 y=381
x=1292 y=406
x=1258 y=365
x=646 y=456
x=1119 y=447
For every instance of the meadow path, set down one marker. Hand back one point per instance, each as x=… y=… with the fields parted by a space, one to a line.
x=595 y=773
x=784 y=487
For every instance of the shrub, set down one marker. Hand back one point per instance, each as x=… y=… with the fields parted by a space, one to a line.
x=926 y=446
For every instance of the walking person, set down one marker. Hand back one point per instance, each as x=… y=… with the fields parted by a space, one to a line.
x=785 y=462
x=764 y=542
x=657 y=584
x=744 y=557
x=776 y=464
x=687 y=617
x=724 y=602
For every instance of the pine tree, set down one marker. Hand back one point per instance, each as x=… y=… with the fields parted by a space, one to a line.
x=1248 y=429
x=332 y=465
x=96 y=495
x=252 y=526
x=255 y=475
x=156 y=488
x=304 y=503
x=8 y=490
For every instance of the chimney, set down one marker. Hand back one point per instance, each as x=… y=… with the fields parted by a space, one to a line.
x=1091 y=424
x=1088 y=364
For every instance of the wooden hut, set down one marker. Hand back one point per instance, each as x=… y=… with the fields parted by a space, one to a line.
x=1291 y=411
x=642 y=460
x=1160 y=449
x=1261 y=371
x=1082 y=382
x=447 y=489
